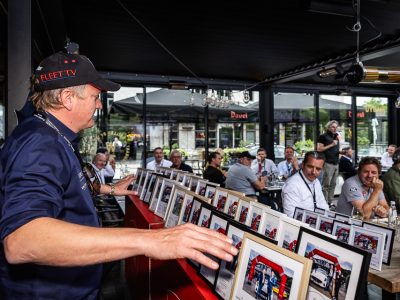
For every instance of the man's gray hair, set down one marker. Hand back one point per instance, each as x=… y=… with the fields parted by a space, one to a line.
x=330 y=123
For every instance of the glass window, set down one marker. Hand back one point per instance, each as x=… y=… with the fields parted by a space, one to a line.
x=294 y=123
x=372 y=126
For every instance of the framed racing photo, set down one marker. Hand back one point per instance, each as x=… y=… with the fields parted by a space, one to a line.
x=141 y=181
x=226 y=274
x=219 y=223
x=187 y=205
x=164 y=199
x=137 y=176
x=371 y=241
x=271 y=224
x=193 y=183
x=290 y=229
x=232 y=203
x=243 y=210
x=219 y=200
x=299 y=214
x=156 y=192
x=310 y=218
x=319 y=211
x=325 y=224
x=256 y=212
x=172 y=217
x=342 y=217
x=389 y=239
x=201 y=187
x=266 y=271
x=211 y=188
x=151 y=186
x=195 y=211
x=339 y=270
x=145 y=185
x=341 y=230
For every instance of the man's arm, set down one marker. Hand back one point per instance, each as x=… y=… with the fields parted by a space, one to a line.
x=322 y=148
x=49 y=241
x=259 y=184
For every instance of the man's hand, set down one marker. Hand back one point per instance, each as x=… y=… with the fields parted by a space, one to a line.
x=381 y=211
x=295 y=164
x=376 y=184
x=188 y=241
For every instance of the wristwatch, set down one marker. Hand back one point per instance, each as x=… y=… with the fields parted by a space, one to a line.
x=112 y=191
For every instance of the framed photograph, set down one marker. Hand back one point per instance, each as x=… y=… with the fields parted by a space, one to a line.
x=338 y=270
x=186 y=207
x=181 y=177
x=137 y=176
x=201 y=187
x=357 y=222
x=290 y=229
x=299 y=214
x=342 y=218
x=325 y=224
x=219 y=200
x=150 y=189
x=193 y=183
x=256 y=212
x=389 y=239
x=167 y=189
x=145 y=185
x=211 y=188
x=232 y=203
x=341 y=230
x=243 y=210
x=186 y=179
x=226 y=274
x=310 y=218
x=218 y=223
x=162 y=170
x=156 y=193
x=371 y=241
x=319 y=211
x=141 y=181
x=195 y=211
x=266 y=271
x=172 y=217
x=330 y=214
x=168 y=172
x=271 y=224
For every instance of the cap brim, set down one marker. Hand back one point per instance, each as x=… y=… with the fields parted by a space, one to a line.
x=106 y=85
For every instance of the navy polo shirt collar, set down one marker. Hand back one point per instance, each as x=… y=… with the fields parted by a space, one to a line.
x=64 y=130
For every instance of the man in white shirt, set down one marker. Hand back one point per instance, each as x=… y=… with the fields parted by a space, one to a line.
x=109 y=169
x=290 y=165
x=303 y=189
x=99 y=163
x=386 y=160
x=262 y=165
x=159 y=160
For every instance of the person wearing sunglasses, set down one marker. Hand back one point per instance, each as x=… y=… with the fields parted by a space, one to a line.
x=51 y=243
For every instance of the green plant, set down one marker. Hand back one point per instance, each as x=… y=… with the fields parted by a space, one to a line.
x=304 y=146
x=232 y=153
x=362 y=141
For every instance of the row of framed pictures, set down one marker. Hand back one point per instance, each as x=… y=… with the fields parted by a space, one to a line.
x=371 y=237
x=319 y=267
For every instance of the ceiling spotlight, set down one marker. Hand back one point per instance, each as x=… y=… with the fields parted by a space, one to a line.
x=327 y=72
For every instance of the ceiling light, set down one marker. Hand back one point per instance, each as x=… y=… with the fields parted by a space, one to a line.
x=359 y=73
x=327 y=72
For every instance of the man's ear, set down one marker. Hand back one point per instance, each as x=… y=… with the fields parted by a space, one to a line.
x=65 y=98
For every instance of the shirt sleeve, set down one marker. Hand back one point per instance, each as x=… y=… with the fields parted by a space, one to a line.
x=351 y=191
x=34 y=182
x=289 y=199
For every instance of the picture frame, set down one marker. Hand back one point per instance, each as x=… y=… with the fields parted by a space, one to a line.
x=341 y=230
x=319 y=211
x=369 y=240
x=164 y=199
x=357 y=222
x=186 y=179
x=145 y=185
x=141 y=181
x=389 y=239
x=325 y=224
x=256 y=212
x=232 y=203
x=263 y=265
x=172 y=217
x=330 y=214
x=137 y=176
x=195 y=211
x=186 y=207
x=290 y=229
x=211 y=188
x=342 y=217
x=193 y=182
x=271 y=224
x=220 y=198
x=156 y=193
x=242 y=213
x=299 y=214
x=181 y=176
x=338 y=270
x=201 y=187
x=151 y=186
x=219 y=223
x=168 y=172
x=226 y=274
x=310 y=217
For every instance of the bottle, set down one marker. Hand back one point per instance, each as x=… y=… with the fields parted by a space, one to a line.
x=392 y=214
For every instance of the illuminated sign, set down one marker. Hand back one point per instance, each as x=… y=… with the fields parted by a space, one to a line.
x=235 y=115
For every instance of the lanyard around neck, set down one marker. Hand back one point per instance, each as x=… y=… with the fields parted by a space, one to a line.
x=313 y=194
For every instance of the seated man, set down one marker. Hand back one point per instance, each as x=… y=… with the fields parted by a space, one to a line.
x=109 y=169
x=391 y=181
x=241 y=178
x=290 y=165
x=346 y=166
x=159 y=160
x=176 y=159
x=386 y=159
x=263 y=165
x=213 y=172
x=303 y=189
x=99 y=163
x=364 y=191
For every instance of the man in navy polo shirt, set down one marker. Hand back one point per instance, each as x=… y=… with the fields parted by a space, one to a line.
x=51 y=244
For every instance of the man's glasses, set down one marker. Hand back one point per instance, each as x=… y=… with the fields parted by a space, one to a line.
x=92 y=180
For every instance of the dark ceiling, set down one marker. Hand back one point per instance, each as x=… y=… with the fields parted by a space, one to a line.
x=246 y=41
